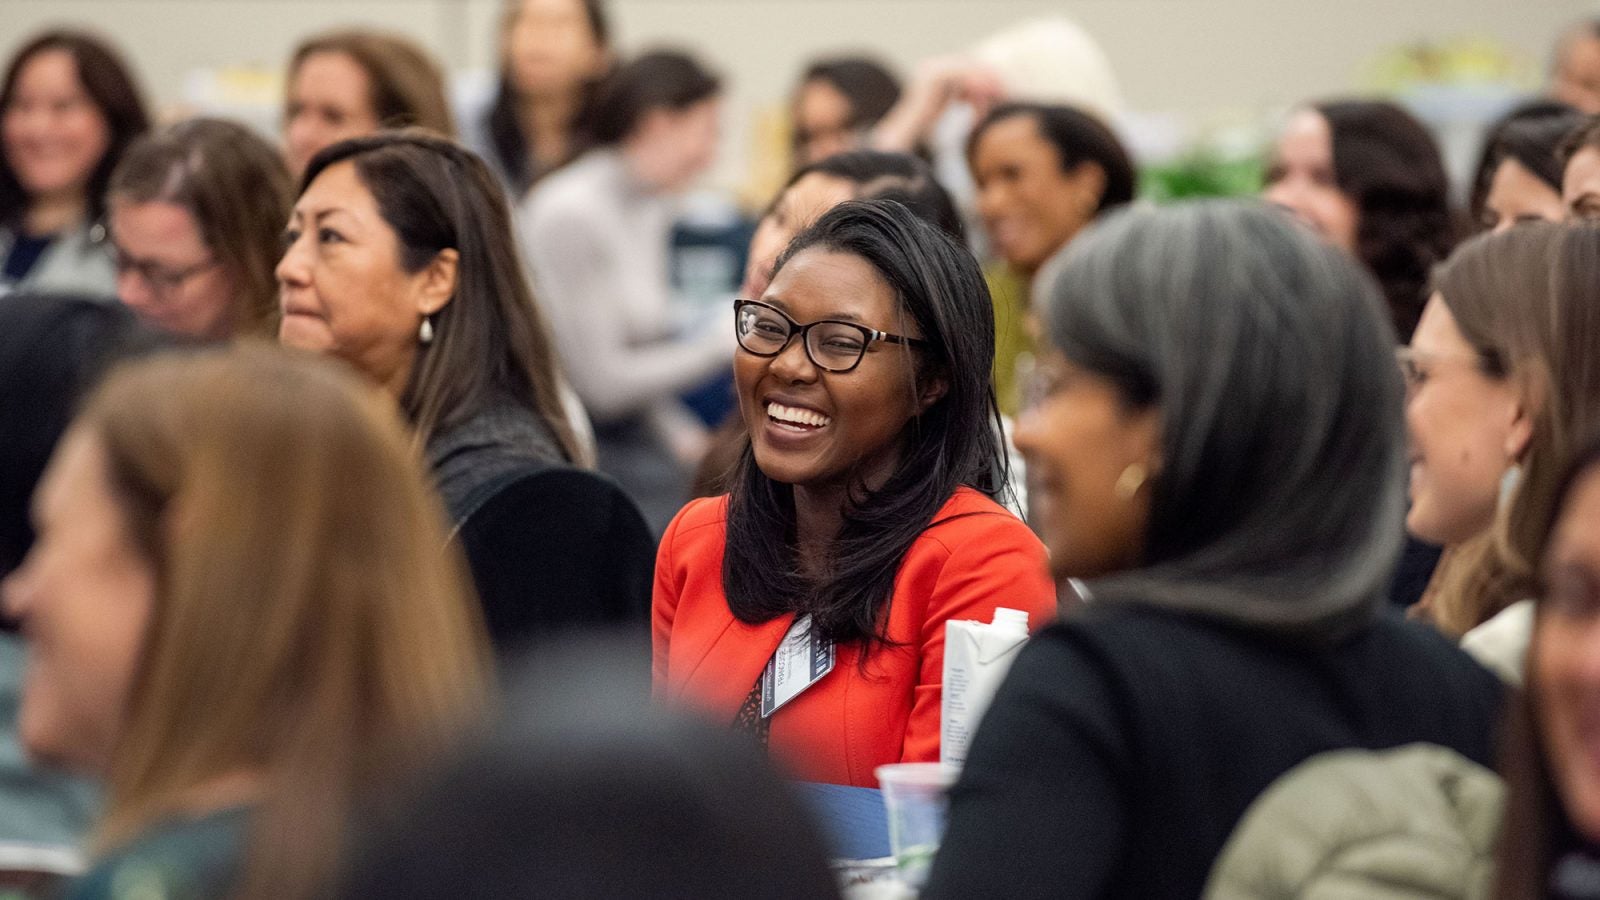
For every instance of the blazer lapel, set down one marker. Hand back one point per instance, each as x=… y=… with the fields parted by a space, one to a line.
x=732 y=661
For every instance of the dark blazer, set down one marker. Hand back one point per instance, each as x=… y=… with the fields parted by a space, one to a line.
x=557 y=547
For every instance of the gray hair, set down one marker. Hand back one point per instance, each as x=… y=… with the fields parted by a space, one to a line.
x=1279 y=499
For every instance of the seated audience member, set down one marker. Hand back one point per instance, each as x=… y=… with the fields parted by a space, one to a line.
x=68 y=109
x=1367 y=177
x=1575 y=67
x=596 y=235
x=1233 y=518
x=1042 y=174
x=400 y=260
x=1518 y=178
x=859 y=516
x=51 y=349
x=588 y=792
x=243 y=615
x=197 y=213
x=1580 y=173
x=812 y=191
x=1505 y=378
x=836 y=105
x=553 y=54
x=346 y=84
x=1550 y=837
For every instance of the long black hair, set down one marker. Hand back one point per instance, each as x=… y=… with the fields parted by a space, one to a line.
x=954 y=442
x=509 y=140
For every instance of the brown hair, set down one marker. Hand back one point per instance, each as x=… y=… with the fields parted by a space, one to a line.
x=407 y=86
x=1387 y=163
x=311 y=624
x=491 y=339
x=109 y=84
x=237 y=189
x=1528 y=301
x=1534 y=829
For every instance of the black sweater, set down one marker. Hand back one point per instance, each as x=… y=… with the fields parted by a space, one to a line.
x=1127 y=743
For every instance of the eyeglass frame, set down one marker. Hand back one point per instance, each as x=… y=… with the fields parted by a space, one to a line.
x=169 y=282
x=1408 y=360
x=870 y=335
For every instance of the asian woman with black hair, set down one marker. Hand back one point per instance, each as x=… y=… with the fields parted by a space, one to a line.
x=860 y=518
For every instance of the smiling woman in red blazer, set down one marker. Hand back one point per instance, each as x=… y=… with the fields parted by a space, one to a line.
x=808 y=606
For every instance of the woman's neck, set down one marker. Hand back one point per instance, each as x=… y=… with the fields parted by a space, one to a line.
x=54 y=213
x=818 y=516
x=548 y=118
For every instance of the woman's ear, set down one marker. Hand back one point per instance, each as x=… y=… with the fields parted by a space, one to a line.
x=1532 y=392
x=437 y=282
x=930 y=390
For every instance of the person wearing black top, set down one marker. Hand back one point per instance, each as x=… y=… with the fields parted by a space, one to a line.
x=1220 y=457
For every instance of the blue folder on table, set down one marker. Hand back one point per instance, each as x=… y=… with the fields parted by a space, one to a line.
x=852 y=819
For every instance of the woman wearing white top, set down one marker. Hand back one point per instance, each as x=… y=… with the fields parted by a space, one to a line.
x=596 y=236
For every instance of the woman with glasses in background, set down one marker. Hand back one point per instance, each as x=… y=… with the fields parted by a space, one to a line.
x=197 y=213
x=860 y=518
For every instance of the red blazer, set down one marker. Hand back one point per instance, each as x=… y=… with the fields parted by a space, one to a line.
x=974 y=557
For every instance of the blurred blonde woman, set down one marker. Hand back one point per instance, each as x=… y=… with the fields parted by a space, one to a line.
x=243 y=616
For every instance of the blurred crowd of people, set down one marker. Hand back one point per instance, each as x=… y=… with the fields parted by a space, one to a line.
x=376 y=522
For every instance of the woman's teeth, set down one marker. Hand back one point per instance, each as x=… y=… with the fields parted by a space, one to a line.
x=790 y=415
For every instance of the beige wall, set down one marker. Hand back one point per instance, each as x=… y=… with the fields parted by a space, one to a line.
x=1196 y=57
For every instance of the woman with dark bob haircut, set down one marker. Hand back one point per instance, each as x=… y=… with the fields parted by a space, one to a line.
x=860 y=518
x=1220 y=453
x=400 y=261
x=68 y=109
x=1368 y=177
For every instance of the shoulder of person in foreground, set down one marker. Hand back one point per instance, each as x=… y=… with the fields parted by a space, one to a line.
x=192 y=859
x=556 y=547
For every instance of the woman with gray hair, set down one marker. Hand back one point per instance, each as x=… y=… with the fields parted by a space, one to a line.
x=1220 y=456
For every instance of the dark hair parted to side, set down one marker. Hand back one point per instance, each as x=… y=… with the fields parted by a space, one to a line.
x=110 y=86
x=1586 y=135
x=436 y=194
x=892 y=176
x=1280 y=492
x=407 y=88
x=1078 y=138
x=871 y=89
x=236 y=187
x=658 y=79
x=1532 y=133
x=954 y=442
x=1387 y=163
x=508 y=131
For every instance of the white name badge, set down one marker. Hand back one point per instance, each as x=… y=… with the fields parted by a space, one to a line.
x=800 y=662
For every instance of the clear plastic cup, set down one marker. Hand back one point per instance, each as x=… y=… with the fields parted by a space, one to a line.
x=914 y=796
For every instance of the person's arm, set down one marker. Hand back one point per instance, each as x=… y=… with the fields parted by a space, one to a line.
x=1041 y=807
x=936 y=84
x=576 y=285
x=1002 y=566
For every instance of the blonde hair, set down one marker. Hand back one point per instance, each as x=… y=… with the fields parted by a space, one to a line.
x=311 y=624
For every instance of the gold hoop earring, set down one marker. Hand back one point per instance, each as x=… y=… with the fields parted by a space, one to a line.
x=1131 y=480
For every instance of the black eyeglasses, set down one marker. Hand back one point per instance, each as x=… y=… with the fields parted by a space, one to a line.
x=831 y=345
x=163 y=281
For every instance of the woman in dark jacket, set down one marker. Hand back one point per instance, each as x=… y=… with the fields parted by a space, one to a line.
x=400 y=261
x=1220 y=454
